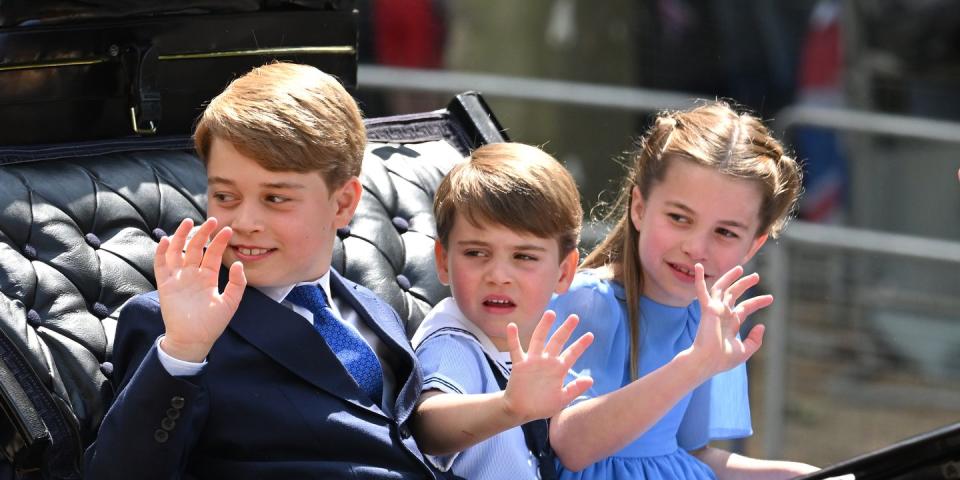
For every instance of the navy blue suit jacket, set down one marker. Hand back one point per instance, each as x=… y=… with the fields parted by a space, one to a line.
x=272 y=402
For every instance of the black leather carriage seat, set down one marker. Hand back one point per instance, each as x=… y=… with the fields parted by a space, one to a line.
x=78 y=227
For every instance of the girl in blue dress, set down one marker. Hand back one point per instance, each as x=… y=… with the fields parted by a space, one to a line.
x=660 y=294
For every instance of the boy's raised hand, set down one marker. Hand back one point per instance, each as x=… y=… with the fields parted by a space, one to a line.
x=721 y=316
x=535 y=389
x=194 y=311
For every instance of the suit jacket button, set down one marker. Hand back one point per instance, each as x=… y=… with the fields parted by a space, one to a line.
x=167 y=424
x=161 y=436
x=177 y=402
x=173 y=413
x=404 y=431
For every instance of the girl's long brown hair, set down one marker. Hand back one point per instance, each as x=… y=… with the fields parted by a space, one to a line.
x=713 y=135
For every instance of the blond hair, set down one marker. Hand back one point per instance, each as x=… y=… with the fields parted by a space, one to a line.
x=712 y=135
x=514 y=185
x=288 y=117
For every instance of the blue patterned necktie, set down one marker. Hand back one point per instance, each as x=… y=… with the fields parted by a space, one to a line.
x=352 y=351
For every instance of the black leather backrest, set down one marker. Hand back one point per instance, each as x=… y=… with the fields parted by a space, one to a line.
x=78 y=228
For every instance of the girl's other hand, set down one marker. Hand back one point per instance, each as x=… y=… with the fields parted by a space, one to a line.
x=717 y=344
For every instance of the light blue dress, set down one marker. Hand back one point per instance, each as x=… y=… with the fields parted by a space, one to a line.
x=716 y=410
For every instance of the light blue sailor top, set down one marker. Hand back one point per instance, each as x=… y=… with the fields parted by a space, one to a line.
x=453 y=356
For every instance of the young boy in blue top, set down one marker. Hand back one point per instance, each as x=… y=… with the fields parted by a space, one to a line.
x=255 y=359
x=508 y=224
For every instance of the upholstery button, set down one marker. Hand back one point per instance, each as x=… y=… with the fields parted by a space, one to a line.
x=92 y=240
x=343 y=232
x=158 y=233
x=401 y=224
x=33 y=318
x=100 y=310
x=173 y=413
x=161 y=436
x=29 y=251
x=177 y=402
x=106 y=368
x=403 y=281
x=168 y=423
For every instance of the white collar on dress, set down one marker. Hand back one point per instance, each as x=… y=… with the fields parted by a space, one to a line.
x=447 y=318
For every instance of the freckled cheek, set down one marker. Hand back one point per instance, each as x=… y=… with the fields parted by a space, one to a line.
x=537 y=277
x=463 y=280
x=223 y=218
x=727 y=260
x=648 y=247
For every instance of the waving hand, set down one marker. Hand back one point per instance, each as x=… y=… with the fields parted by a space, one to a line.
x=721 y=316
x=194 y=311
x=536 y=388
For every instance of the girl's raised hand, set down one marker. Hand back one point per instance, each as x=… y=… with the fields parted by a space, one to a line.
x=717 y=344
x=535 y=389
x=194 y=311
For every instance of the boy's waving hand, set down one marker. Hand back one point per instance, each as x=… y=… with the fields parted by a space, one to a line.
x=195 y=313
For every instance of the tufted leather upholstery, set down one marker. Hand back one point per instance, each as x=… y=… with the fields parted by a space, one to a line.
x=78 y=227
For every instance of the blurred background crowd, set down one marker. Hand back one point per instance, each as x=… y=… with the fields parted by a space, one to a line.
x=863 y=347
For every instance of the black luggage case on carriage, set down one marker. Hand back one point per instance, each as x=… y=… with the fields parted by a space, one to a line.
x=73 y=71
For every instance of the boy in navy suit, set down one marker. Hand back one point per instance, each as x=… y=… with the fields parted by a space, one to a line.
x=273 y=366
